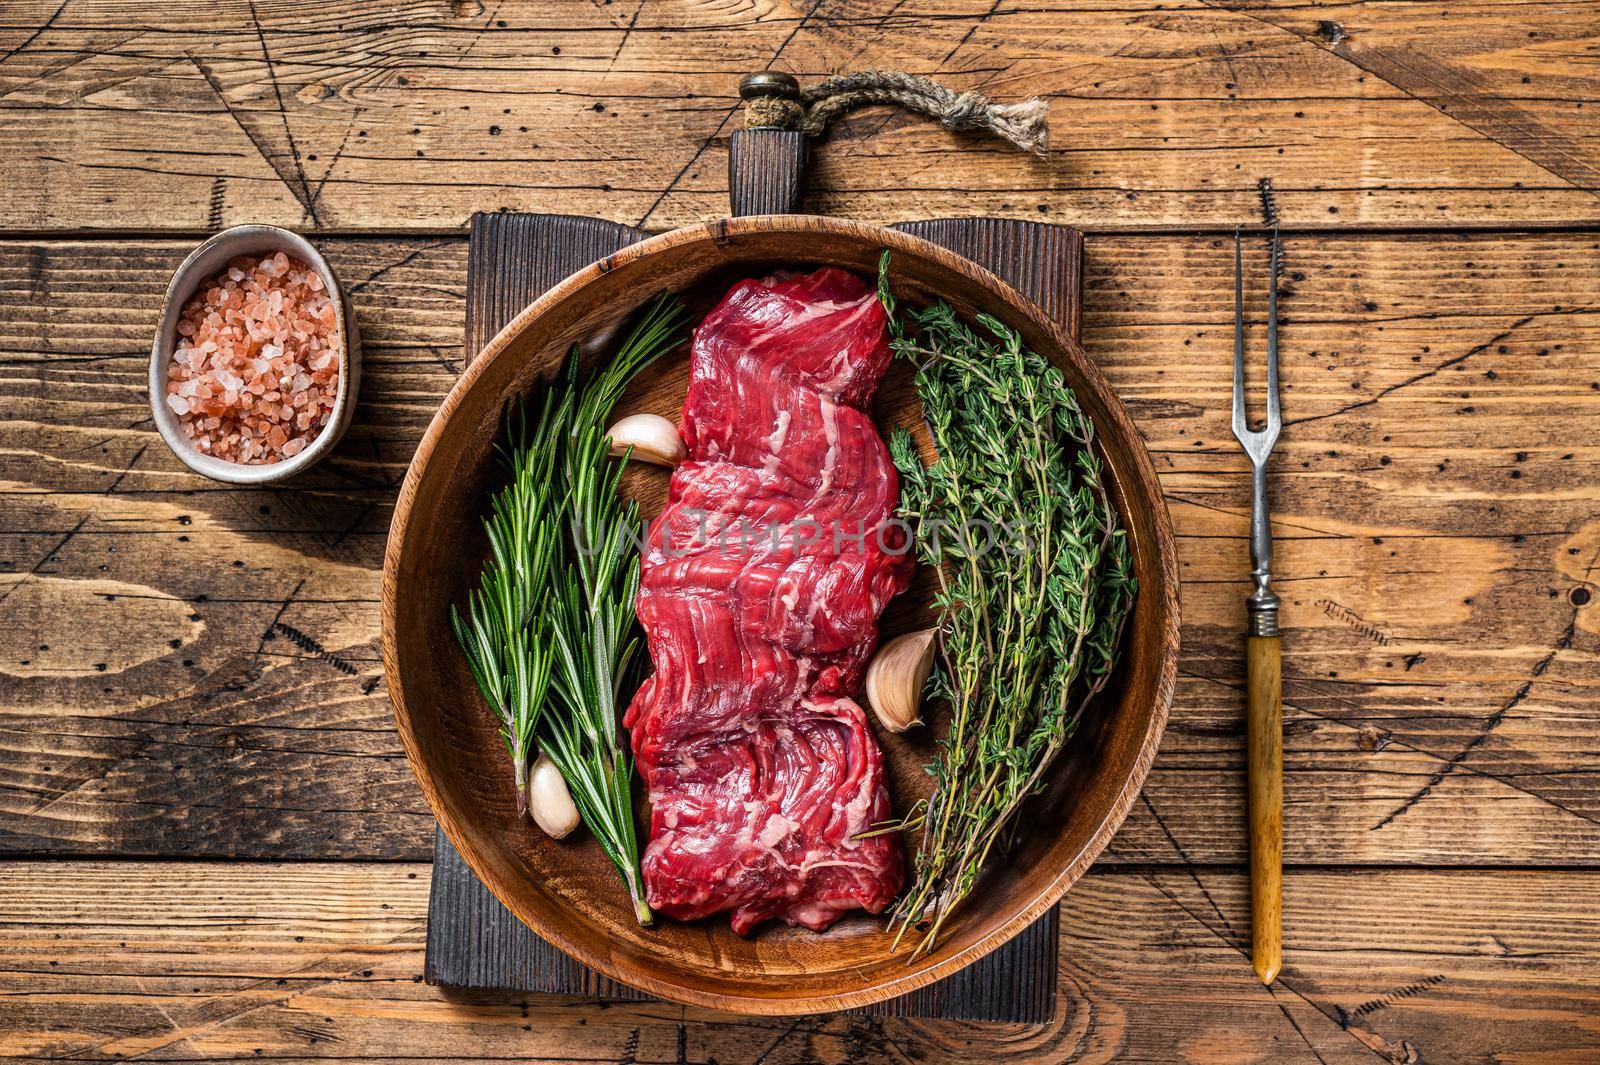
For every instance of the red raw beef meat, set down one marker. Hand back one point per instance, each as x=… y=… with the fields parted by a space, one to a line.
x=760 y=596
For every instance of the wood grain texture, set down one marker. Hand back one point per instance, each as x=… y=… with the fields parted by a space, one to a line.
x=1420 y=727
x=188 y=671
x=1165 y=112
x=566 y=892
x=513 y=258
x=1042 y=261
x=766 y=171
x=473 y=941
x=1264 y=759
x=316 y=962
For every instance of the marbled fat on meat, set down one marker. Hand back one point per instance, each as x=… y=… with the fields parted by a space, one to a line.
x=760 y=596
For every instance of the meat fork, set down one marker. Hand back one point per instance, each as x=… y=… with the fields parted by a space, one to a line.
x=1263 y=662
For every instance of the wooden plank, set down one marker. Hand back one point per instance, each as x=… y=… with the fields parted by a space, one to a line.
x=1437 y=539
x=473 y=941
x=169 y=634
x=767 y=171
x=322 y=961
x=1166 y=112
x=1045 y=263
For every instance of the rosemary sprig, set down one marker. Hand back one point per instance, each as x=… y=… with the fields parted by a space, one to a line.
x=550 y=633
x=1034 y=584
x=510 y=664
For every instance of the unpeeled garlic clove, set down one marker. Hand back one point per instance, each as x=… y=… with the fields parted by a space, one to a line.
x=896 y=677
x=549 y=801
x=652 y=437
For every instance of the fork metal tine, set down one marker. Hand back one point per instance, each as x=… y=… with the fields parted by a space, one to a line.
x=1257 y=443
x=1274 y=410
x=1241 y=424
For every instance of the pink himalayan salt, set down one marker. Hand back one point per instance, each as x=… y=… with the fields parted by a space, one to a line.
x=256 y=371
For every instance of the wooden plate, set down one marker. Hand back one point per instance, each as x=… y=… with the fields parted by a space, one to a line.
x=566 y=891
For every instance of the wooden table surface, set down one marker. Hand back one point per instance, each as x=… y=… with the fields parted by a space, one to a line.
x=212 y=845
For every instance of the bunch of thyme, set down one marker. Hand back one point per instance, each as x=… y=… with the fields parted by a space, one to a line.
x=1034 y=584
x=550 y=633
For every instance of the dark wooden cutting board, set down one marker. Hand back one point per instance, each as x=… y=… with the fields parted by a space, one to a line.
x=473 y=941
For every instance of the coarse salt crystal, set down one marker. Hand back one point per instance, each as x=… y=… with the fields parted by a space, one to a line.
x=256 y=370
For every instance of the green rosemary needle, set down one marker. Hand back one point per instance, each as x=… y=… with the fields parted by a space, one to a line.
x=549 y=633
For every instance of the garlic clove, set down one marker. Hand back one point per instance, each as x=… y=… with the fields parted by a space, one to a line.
x=549 y=801
x=896 y=677
x=652 y=437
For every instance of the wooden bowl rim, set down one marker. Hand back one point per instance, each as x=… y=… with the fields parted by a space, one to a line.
x=1144 y=490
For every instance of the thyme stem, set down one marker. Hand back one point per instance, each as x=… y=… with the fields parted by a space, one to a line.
x=1027 y=630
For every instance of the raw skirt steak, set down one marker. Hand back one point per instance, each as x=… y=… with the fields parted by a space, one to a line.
x=762 y=583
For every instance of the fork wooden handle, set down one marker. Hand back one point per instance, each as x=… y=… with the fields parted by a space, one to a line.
x=1264 y=736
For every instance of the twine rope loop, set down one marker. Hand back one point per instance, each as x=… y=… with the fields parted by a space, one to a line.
x=776 y=102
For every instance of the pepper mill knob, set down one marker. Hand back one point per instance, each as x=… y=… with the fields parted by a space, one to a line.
x=772 y=100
